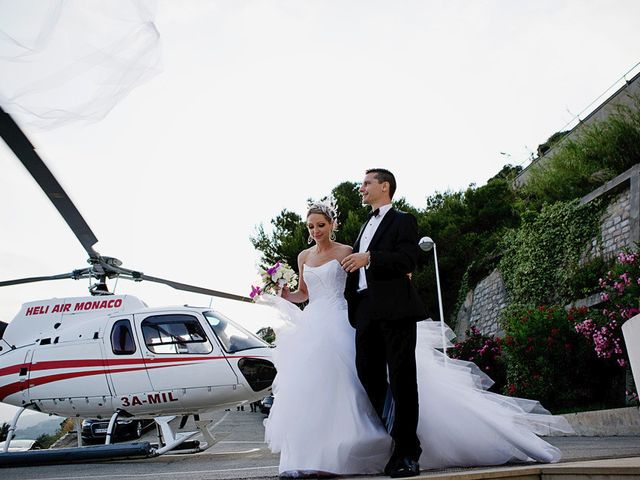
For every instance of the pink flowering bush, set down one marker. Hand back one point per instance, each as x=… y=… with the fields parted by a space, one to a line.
x=621 y=295
x=602 y=326
x=606 y=338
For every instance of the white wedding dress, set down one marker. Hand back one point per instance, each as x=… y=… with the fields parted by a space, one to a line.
x=322 y=420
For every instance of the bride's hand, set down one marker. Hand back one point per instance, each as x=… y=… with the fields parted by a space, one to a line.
x=284 y=292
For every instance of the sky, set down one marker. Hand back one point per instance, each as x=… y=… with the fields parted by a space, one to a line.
x=256 y=106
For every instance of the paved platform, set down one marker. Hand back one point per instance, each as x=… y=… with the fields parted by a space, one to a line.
x=241 y=453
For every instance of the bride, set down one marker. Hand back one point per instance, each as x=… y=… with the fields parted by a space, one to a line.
x=322 y=421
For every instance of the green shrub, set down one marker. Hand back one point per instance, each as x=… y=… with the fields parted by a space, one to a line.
x=547 y=360
x=582 y=280
x=541 y=258
x=467 y=227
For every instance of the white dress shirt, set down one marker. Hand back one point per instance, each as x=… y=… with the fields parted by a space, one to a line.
x=367 y=234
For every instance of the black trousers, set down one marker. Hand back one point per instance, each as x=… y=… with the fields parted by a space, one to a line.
x=382 y=347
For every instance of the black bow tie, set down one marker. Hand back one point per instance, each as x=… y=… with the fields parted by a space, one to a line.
x=375 y=213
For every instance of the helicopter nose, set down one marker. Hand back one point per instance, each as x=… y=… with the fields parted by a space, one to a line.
x=259 y=372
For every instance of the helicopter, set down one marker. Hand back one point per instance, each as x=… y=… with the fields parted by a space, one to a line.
x=113 y=356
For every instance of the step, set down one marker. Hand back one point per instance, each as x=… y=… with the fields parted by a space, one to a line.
x=603 y=469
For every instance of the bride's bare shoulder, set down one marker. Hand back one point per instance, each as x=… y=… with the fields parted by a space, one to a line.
x=343 y=250
x=302 y=256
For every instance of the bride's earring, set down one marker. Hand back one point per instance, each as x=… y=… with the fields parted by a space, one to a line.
x=333 y=235
x=310 y=240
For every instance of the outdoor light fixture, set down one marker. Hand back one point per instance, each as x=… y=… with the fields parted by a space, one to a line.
x=426 y=244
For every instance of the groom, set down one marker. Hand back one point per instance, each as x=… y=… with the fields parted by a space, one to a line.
x=384 y=308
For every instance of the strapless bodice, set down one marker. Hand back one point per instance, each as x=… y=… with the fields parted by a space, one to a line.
x=325 y=282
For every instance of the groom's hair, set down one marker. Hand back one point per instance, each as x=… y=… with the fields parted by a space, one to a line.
x=384 y=175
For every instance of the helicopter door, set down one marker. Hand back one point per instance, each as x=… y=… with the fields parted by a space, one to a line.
x=124 y=358
x=180 y=356
x=24 y=377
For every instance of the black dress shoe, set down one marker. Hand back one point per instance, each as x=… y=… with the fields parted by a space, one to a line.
x=387 y=468
x=403 y=467
x=391 y=464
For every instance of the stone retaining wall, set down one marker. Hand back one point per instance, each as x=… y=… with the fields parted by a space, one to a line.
x=484 y=305
x=615 y=229
x=619 y=229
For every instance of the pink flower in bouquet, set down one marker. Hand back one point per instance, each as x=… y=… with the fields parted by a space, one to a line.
x=255 y=291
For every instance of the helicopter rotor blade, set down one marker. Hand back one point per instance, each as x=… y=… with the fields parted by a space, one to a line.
x=139 y=276
x=76 y=275
x=194 y=289
x=18 y=142
x=102 y=267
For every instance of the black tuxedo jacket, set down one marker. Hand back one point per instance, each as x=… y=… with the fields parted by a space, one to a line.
x=394 y=253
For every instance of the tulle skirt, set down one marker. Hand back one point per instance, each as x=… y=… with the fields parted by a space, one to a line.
x=462 y=424
x=322 y=420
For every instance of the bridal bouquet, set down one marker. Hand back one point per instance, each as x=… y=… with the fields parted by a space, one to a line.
x=274 y=279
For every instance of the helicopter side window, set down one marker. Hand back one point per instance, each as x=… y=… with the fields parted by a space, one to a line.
x=122 y=338
x=175 y=334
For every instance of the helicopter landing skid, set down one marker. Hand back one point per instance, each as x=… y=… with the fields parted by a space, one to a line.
x=171 y=439
x=179 y=443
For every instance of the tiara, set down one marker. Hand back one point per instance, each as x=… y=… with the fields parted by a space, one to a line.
x=327 y=205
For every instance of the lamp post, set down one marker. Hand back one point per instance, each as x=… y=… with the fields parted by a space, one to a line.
x=426 y=244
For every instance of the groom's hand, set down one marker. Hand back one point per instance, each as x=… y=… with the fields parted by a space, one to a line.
x=355 y=261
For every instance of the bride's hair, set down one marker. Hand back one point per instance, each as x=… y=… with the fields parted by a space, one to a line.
x=326 y=207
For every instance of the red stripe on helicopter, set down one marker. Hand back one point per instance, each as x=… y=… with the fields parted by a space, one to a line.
x=15 y=387
x=103 y=362
x=98 y=362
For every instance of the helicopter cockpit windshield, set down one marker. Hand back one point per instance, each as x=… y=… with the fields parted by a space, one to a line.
x=232 y=336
